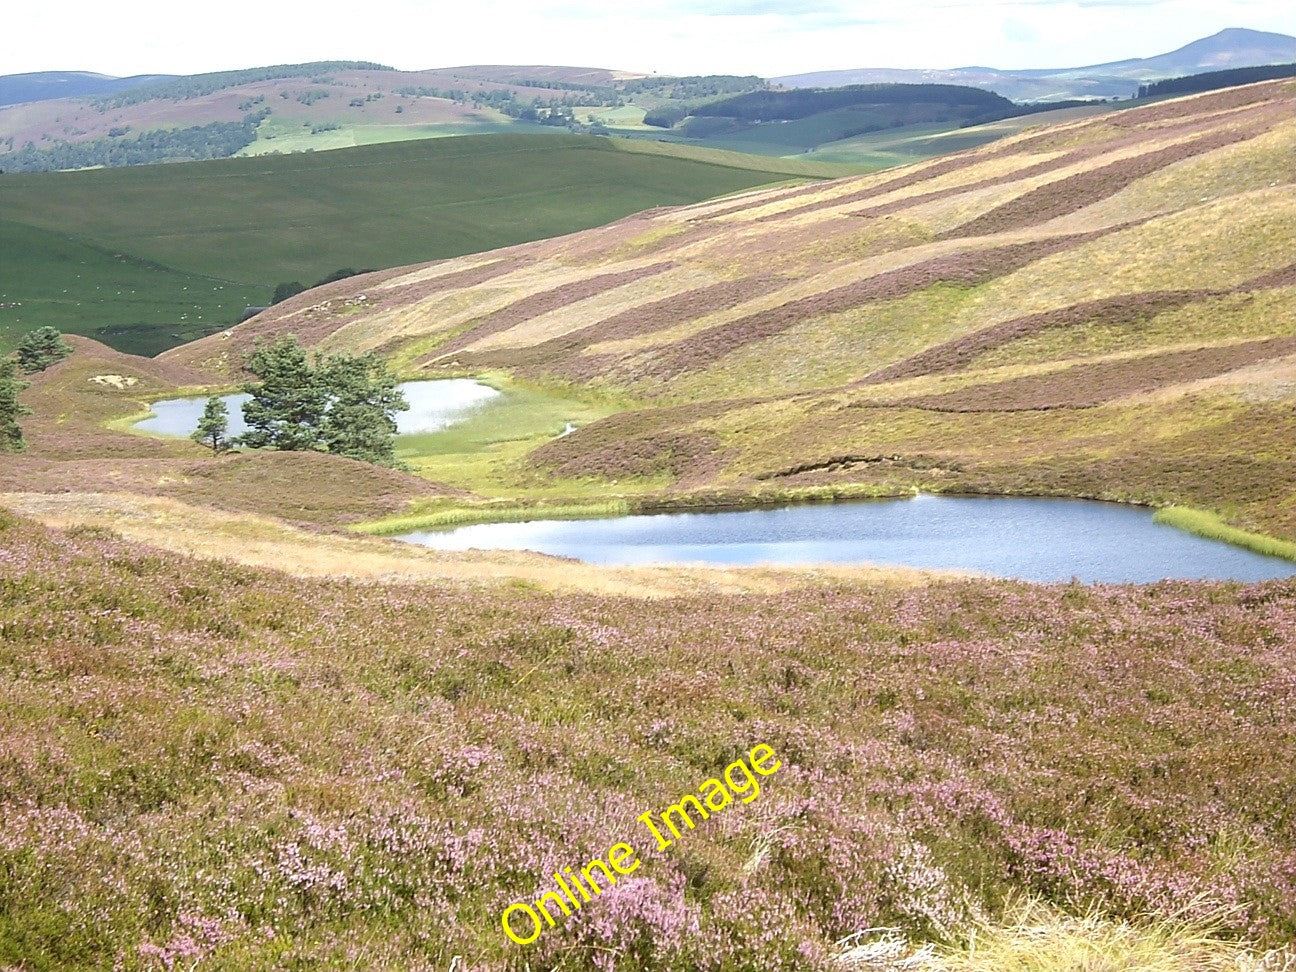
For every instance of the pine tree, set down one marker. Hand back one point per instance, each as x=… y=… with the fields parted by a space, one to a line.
x=213 y=427
x=41 y=348
x=361 y=419
x=11 y=437
x=345 y=404
x=286 y=410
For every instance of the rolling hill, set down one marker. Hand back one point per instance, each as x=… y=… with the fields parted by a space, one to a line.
x=856 y=123
x=147 y=257
x=338 y=104
x=47 y=85
x=315 y=106
x=1230 y=48
x=237 y=737
x=1099 y=308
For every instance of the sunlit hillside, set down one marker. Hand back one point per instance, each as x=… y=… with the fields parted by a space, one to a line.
x=1100 y=308
x=240 y=734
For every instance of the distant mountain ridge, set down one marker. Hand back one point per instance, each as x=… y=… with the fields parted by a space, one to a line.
x=1229 y=48
x=16 y=89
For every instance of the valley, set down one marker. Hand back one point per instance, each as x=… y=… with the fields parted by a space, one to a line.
x=248 y=729
x=1012 y=319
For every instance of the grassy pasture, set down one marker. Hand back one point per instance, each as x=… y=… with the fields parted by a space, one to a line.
x=252 y=223
x=282 y=136
x=485 y=453
x=51 y=278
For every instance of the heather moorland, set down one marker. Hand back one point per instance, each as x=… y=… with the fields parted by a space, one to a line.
x=240 y=733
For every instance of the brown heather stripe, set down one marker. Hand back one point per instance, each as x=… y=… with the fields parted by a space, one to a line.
x=542 y=303
x=747 y=204
x=1179 y=108
x=687 y=306
x=470 y=277
x=1261 y=113
x=1284 y=277
x=969 y=268
x=1082 y=154
x=1086 y=188
x=939 y=169
x=320 y=324
x=1121 y=310
x=957 y=354
x=1084 y=386
x=558 y=356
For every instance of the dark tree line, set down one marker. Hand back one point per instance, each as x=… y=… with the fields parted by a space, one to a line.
x=666 y=116
x=11 y=436
x=219 y=140
x=695 y=87
x=803 y=102
x=39 y=349
x=197 y=85
x=1214 y=80
x=294 y=287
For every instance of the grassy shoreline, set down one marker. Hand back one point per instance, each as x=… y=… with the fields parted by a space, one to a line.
x=1202 y=523
x=1211 y=526
x=517 y=511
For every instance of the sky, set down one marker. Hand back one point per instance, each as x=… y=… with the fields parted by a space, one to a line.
x=763 y=37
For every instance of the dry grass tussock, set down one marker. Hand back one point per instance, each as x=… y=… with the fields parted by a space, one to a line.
x=1036 y=937
x=263 y=542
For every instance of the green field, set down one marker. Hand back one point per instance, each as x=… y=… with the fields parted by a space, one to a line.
x=244 y=225
x=282 y=136
x=825 y=137
x=51 y=278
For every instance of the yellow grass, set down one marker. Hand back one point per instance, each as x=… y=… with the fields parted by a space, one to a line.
x=434 y=271
x=264 y=542
x=1035 y=937
x=1211 y=526
x=1218 y=244
x=1246 y=167
x=609 y=303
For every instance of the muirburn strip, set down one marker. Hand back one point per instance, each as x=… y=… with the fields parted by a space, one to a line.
x=1085 y=386
x=958 y=354
x=542 y=303
x=560 y=355
x=395 y=292
x=1226 y=100
x=1122 y=310
x=1192 y=127
x=1102 y=147
x=967 y=268
x=1083 y=189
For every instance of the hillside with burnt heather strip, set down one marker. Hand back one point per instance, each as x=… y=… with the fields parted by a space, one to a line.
x=1078 y=310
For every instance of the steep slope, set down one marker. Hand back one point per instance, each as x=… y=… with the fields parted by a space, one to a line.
x=1100 y=308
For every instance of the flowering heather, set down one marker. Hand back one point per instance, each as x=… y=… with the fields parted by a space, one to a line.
x=209 y=767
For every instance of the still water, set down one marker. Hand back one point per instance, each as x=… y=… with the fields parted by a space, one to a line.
x=433 y=405
x=1026 y=538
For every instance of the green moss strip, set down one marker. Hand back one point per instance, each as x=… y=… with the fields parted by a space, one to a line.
x=1209 y=525
x=454 y=516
